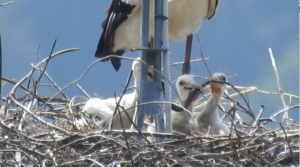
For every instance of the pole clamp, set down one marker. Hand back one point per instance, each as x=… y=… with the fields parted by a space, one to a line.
x=161 y=17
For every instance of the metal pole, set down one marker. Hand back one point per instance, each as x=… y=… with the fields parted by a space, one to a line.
x=151 y=91
x=165 y=40
x=0 y=67
x=157 y=63
x=144 y=44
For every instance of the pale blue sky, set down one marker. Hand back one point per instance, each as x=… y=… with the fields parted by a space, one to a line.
x=237 y=38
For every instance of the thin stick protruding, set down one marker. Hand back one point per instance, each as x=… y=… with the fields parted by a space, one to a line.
x=285 y=115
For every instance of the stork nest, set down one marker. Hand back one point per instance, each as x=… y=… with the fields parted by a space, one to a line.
x=52 y=131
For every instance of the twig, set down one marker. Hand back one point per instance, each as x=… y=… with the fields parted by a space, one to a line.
x=120 y=98
x=295 y=163
x=70 y=109
x=15 y=150
x=251 y=89
x=196 y=60
x=121 y=120
x=262 y=107
x=201 y=53
x=69 y=163
x=7 y=3
x=37 y=118
x=249 y=112
x=285 y=110
x=12 y=92
x=55 y=85
x=108 y=148
x=11 y=81
x=53 y=46
x=0 y=67
x=44 y=60
x=285 y=115
x=37 y=53
x=84 y=92
x=246 y=90
x=227 y=152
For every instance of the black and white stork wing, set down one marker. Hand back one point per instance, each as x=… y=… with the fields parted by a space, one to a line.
x=117 y=14
x=212 y=8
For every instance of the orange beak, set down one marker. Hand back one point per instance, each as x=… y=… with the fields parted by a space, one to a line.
x=215 y=88
x=195 y=96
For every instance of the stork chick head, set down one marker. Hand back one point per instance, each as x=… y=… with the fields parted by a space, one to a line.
x=184 y=85
x=137 y=67
x=219 y=86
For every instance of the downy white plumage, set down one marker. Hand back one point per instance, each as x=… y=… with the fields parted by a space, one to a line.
x=103 y=109
x=181 y=119
x=208 y=119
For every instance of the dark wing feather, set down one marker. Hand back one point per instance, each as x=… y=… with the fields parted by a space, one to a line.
x=117 y=14
x=215 y=5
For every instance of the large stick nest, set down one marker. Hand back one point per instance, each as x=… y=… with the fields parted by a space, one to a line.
x=53 y=131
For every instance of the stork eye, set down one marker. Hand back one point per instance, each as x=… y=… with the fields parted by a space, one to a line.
x=222 y=78
x=98 y=118
x=181 y=83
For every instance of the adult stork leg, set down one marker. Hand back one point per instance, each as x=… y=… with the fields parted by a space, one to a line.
x=188 y=49
x=151 y=43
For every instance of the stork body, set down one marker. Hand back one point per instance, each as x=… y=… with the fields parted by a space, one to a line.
x=128 y=102
x=121 y=29
x=107 y=106
x=100 y=113
x=186 y=16
x=180 y=120
x=208 y=120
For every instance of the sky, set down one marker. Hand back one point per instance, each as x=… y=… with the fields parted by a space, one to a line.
x=236 y=41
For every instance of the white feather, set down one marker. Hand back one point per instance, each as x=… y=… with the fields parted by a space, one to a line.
x=208 y=121
x=106 y=107
x=185 y=17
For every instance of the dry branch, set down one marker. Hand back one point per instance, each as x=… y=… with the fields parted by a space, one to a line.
x=69 y=137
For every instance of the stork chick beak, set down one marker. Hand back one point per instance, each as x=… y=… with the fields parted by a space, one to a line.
x=197 y=87
x=215 y=88
x=217 y=85
x=196 y=90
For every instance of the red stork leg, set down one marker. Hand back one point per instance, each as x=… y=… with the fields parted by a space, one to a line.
x=188 y=49
x=151 y=44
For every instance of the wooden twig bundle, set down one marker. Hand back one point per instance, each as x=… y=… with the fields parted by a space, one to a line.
x=53 y=131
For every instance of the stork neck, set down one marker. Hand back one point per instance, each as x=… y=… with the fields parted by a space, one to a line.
x=209 y=113
x=190 y=107
x=186 y=115
x=137 y=82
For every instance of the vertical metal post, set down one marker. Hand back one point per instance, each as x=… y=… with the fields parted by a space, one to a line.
x=165 y=40
x=0 y=67
x=157 y=63
x=144 y=44
x=151 y=91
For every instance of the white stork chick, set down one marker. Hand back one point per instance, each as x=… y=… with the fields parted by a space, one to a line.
x=181 y=119
x=208 y=119
x=121 y=29
x=105 y=108
x=100 y=113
